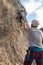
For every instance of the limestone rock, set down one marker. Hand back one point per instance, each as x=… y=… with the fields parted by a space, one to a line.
x=13 y=38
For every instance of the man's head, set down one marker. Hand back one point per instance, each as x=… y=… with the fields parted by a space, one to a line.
x=35 y=23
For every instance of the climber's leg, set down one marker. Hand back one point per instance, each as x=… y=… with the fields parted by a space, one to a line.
x=28 y=60
x=39 y=61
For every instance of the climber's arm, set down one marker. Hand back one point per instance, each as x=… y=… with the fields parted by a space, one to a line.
x=26 y=26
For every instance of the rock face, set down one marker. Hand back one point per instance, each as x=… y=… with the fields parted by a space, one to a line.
x=13 y=38
x=13 y=42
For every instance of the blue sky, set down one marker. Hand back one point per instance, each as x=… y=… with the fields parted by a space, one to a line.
x=34 y=10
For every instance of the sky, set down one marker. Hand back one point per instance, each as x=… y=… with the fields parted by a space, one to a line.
x=34 y=10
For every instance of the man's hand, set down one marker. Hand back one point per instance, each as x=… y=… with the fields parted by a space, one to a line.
x=26 y=25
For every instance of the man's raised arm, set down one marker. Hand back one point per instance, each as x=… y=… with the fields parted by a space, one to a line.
x=26 y=25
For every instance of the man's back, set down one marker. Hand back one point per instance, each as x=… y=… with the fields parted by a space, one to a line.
x=35 y=37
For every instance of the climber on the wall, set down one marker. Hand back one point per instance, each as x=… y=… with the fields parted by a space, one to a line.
x=35 y=49
x=20 y=16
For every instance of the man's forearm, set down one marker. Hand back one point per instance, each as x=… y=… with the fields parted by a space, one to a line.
x=26 y=25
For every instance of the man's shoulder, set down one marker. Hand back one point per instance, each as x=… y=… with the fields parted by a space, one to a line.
x=40 y=31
